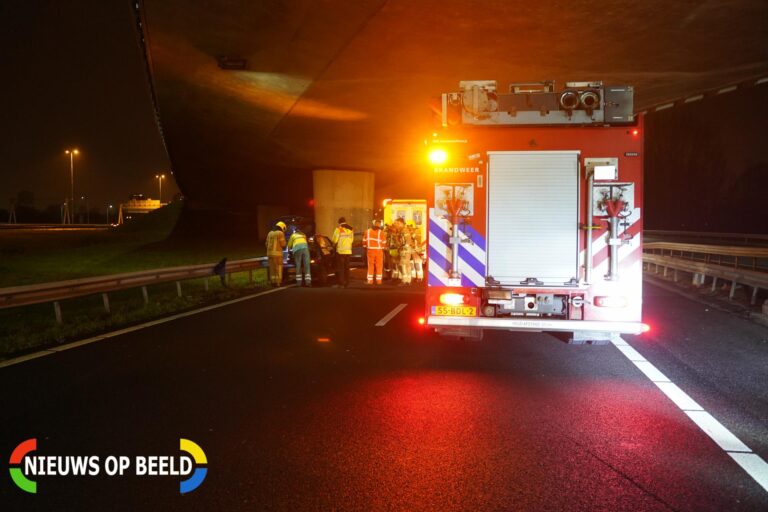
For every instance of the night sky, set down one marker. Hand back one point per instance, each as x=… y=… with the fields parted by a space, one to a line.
x=73 y=76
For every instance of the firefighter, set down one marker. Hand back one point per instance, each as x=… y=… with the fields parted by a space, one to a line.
x=399 y=251
x=343 y=236
x=375 y=242
x=392 y=252
x=417 y=248
x=387 y=256
x=406 y=253
x=275 y=245
x=297 y=244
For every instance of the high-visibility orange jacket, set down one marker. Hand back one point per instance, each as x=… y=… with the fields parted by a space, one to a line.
x=375 y=239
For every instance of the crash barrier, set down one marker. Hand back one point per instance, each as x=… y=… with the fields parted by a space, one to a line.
x=55 y=227
x=733 y=238
x=54 y=292
x=738 y=265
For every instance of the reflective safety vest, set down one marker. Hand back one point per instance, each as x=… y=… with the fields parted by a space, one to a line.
x=342 y=238
x=297 y=241
x=375 y=239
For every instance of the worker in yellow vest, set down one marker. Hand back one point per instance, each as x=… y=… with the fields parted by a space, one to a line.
x=375 y=242
x=343 y=236
x=298 y=245
x=275 y=245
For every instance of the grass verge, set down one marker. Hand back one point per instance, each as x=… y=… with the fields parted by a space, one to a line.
x=38 y=256
x=29 y=328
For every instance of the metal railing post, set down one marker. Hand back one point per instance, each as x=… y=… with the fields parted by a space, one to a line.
x=57 y=312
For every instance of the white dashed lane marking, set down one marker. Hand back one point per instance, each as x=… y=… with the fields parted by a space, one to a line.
x=750 y=462
x=389 y=316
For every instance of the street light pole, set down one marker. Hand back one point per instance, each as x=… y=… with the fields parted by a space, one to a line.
x=109 y=207
x=160 y=178
x=71 y=153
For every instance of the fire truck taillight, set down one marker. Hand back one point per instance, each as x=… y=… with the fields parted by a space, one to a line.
x=437 y=156
x=635 y=132
x=610 y=302
x=452 y=299
x=646 y=328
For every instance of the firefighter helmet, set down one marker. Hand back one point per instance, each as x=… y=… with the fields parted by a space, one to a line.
x=281 y=225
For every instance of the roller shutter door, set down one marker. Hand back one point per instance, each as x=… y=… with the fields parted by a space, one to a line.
x=533 y=223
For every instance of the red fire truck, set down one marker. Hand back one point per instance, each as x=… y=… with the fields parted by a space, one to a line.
x=536 y=221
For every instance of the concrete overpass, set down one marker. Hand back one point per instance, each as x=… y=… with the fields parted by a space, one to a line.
x=251 y=96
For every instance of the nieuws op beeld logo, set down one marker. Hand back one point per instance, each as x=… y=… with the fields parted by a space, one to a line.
x=26 y=466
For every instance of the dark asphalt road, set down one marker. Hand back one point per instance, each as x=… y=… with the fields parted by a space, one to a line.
x=388 y=418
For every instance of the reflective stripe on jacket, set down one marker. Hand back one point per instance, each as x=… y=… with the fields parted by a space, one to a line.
x=342 y=238
x=375 y=239
x=275 y=243
x=297 y=241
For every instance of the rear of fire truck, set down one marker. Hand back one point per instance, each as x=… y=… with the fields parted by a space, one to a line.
x=536 y=219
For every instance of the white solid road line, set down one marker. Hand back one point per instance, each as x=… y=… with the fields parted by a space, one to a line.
x=390 y=315
x=100 y=337
x=750 y=462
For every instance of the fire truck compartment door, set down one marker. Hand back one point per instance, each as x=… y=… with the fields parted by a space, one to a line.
x=533 y=216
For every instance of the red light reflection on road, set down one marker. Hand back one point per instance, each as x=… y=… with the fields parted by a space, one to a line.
x=442 y=438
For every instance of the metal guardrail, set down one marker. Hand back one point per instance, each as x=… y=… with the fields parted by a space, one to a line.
x=54 y=292
x=54 y=227
x=699 y=262
x=757 y=257
x=745 y=238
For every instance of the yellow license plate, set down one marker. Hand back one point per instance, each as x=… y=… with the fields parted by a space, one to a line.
x=454 y=310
